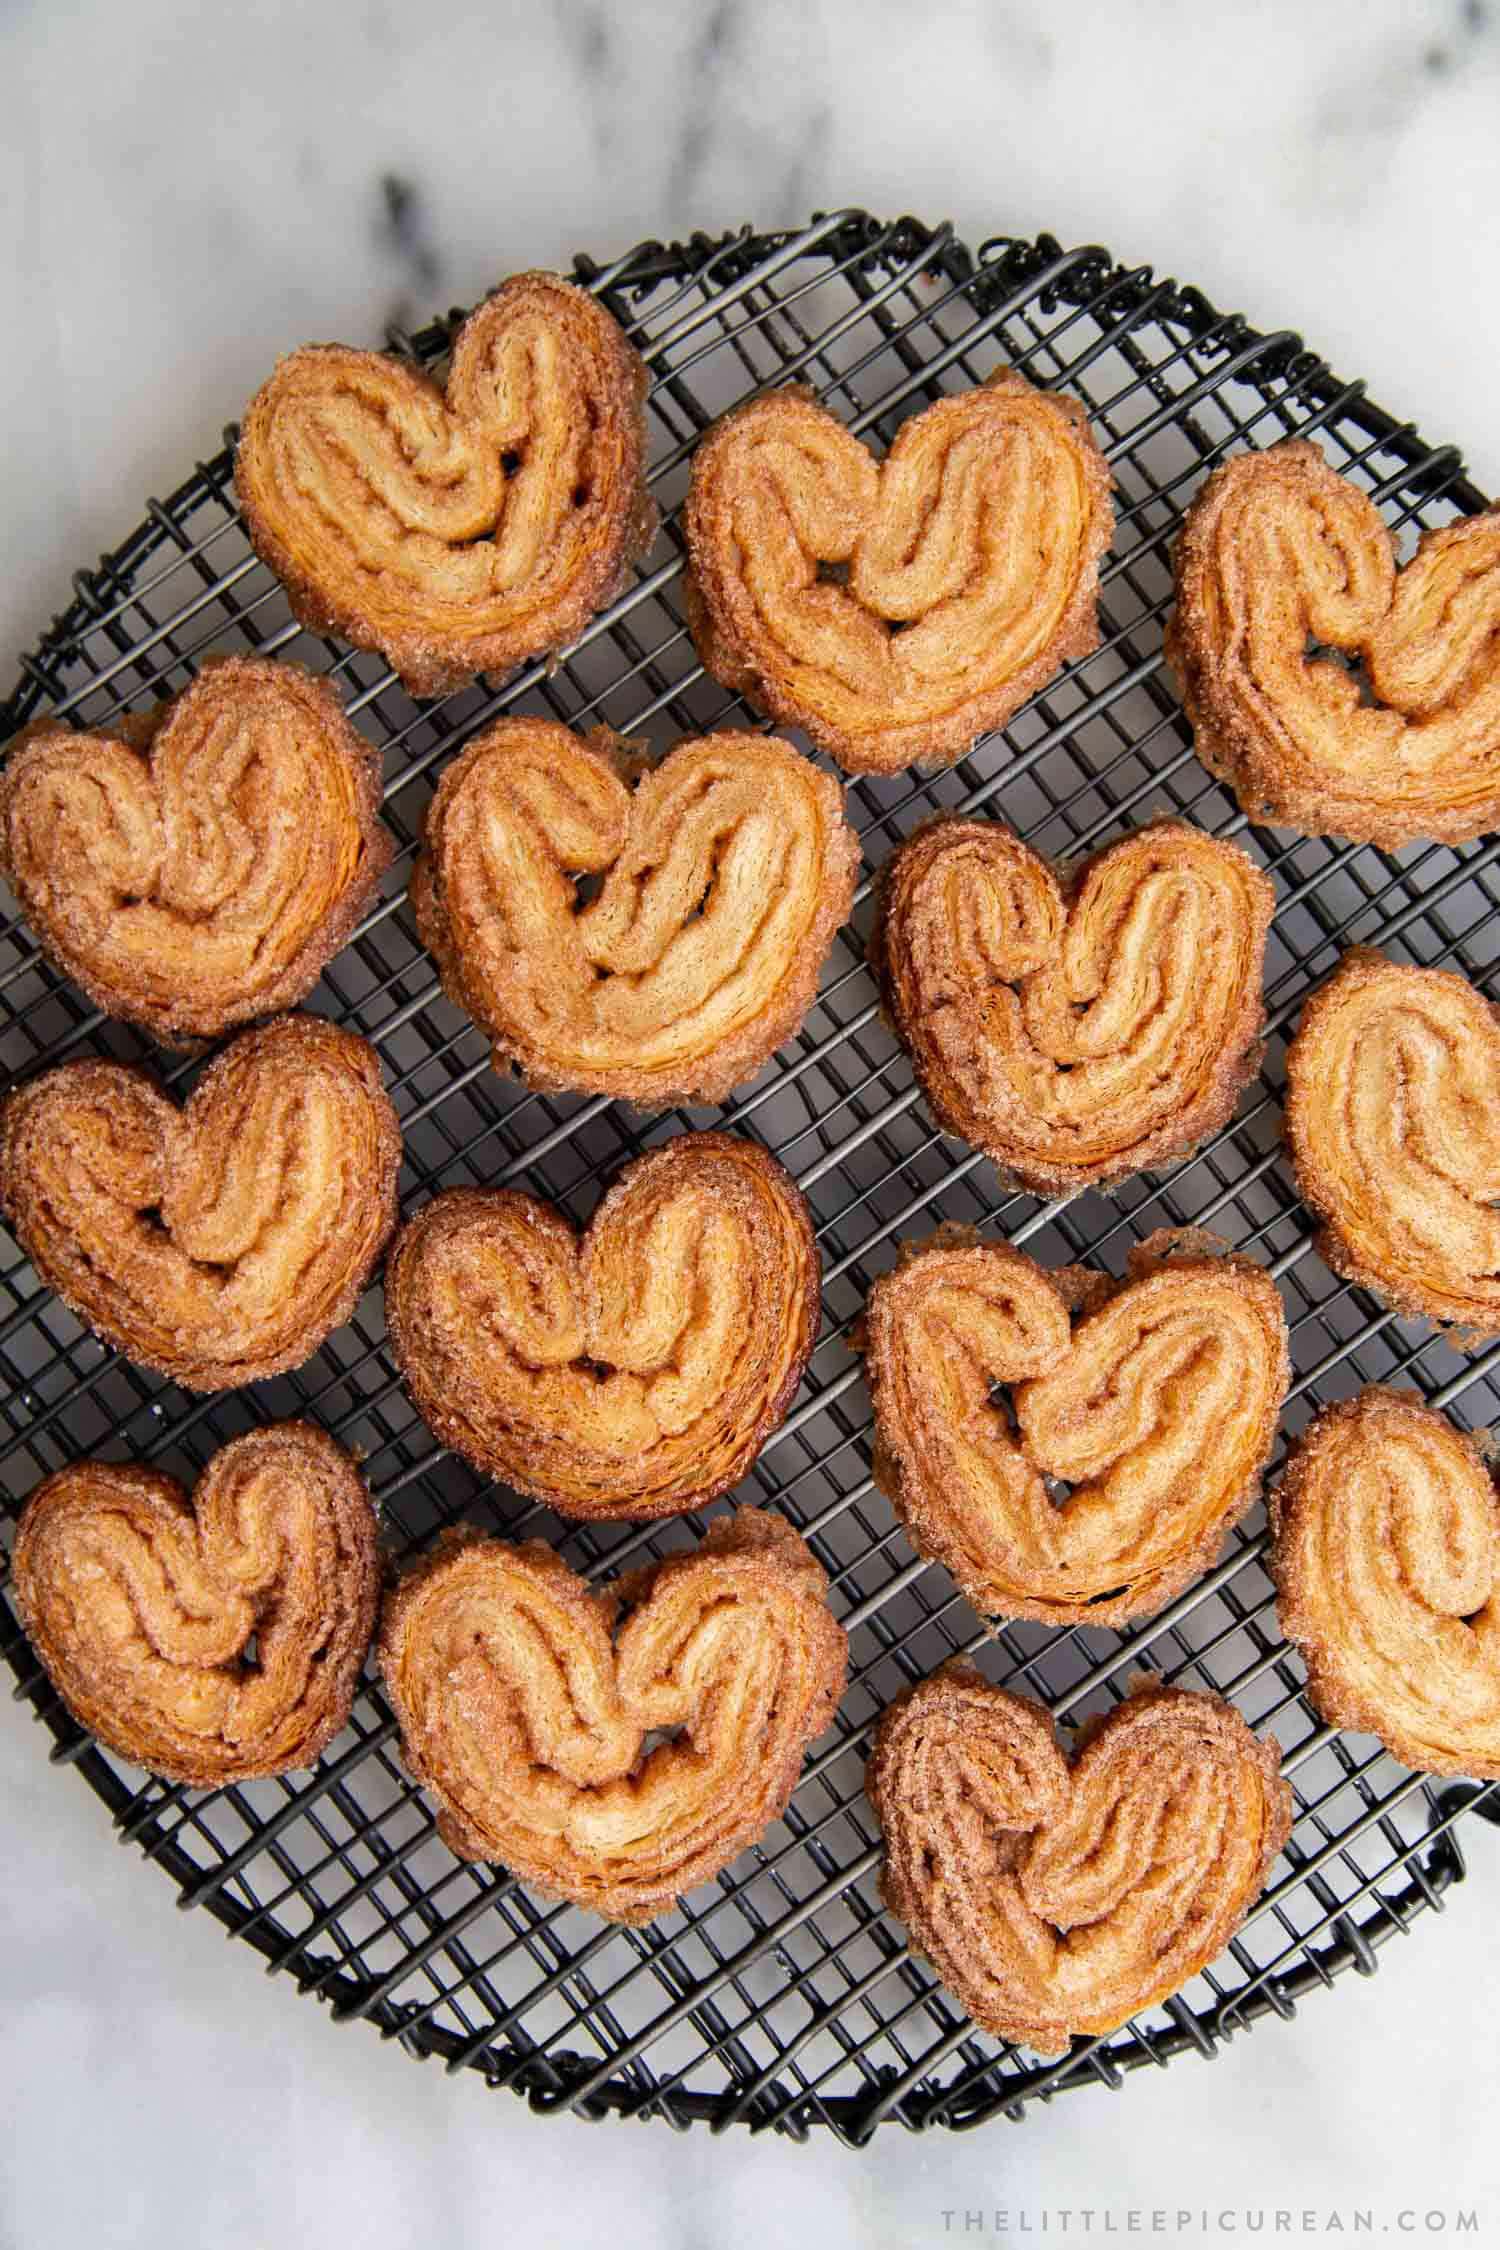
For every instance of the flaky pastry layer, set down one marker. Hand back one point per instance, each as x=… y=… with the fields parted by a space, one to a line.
x=455 y=528
x=220 y=1242
x=1077 y=1025
x=526 y=1700
x=1157 y=1403
x=896 y=609
x=141 y=1601
x=634 y=1371
x=203 y=862
x=723 y=875
x=1283 y=568
x=1059 y=1899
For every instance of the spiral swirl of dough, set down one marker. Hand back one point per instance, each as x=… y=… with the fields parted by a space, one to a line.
x=220 y=1242
x=1386 y=1556
x=897 y=609
x=1079 y=1027
x=1057 y=1900
x=635 y=1372
x=203 y=863
x=526 y=1700
x=725 y=872
x=142 y=1602
x=1278 y=551
x=455 y=531
x=1393 y=1121
x=1159 y=1406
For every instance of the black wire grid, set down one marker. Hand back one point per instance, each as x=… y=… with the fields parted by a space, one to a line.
x=781 y=1994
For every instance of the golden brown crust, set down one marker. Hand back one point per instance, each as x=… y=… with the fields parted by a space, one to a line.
x=202 y=863
x=1386 y=1556
x=634 y=1371
x=1393 y=1121
x=1053 y=1899
x=726 y=871
x=526 y=1700
x=1076 y=1026
x=221 y=1242
x=939 y=630
x=141 y=1601
x=1158 y=1401
x=1278 y=551
x=464 y=528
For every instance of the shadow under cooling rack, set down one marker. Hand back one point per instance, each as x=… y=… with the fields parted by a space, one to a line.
x=781 y=1995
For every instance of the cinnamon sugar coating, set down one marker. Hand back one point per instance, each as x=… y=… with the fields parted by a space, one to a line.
x=1156 y=1397
x=141 y=1601
x=199 y=864
x=897 y=609
x=1076 y=1025
x=526 y=1699
x=220 y=1242
x=1057 y=1899
x=1281 y=561
x=456 y=528
x=1393 y=1121
x=724 y=873
x=634 y=1371
x=1386 y=1556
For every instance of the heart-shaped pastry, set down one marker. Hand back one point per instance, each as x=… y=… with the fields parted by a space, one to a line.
x=725 y=872
x=526 y=1700
x=1159 y=1405
x=142 y=1602
x=635 y=1371
x=896 y=609
x=1076 y=1026
x=1386 y=1556
x=1393 y=1121
x=1057 y=1899
x=462 y=529
x=220 y=1242
x=204 y=861
x=1281 y=562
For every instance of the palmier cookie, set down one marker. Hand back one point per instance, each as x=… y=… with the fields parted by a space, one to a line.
x=1078 y=1025
x=1057 y=1898
x=897 y=609
x=461 y=528
x=526 y=1701
x=142 y=1601
x=723 y=873
x=634 y=1371
x=1156 y=1398
x=220 y=1242
x=1285 y=573
x=1393 y=1122
x=1386 y=1556
x=198 y=864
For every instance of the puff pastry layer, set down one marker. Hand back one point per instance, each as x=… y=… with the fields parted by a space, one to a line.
x=1082 y=1025
x=1057 y=1899
x=526 y=1700
x=896 y=609
x=724 y=873
x=202 y=863
x=1393 y=1121
x=461 y=528
x=220 y=1242
x=632 y=1372
x=1158 y=1404
x=141 y=1602
x=1283 y=569
x=1386 y=1555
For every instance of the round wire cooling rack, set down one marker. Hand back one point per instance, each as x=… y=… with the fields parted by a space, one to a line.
x=781 y=1995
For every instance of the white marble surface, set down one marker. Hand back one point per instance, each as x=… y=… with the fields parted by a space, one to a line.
x=193 y=188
